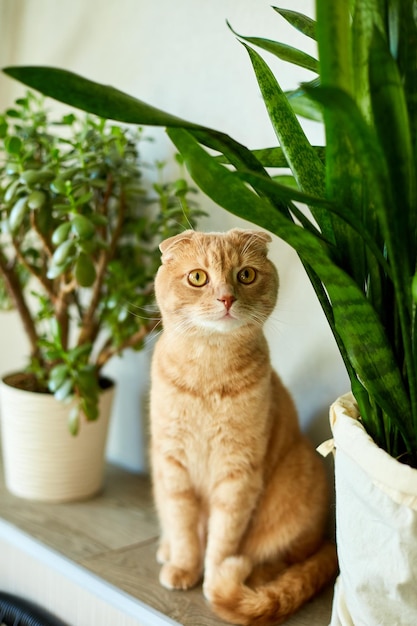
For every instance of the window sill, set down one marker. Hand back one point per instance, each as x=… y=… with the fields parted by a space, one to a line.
x=80 y=559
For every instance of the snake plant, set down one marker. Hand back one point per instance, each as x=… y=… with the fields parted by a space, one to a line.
x=358 y=240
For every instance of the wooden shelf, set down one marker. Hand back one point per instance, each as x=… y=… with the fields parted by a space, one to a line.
x=111 y=542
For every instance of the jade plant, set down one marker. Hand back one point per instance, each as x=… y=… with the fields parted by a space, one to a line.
x=358 y=243
x=79 y=244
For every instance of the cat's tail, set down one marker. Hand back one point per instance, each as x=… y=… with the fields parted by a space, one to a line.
x=275 y=601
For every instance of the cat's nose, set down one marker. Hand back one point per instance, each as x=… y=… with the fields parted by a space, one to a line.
x=227 y=301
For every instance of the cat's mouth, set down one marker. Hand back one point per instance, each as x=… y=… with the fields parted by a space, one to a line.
x=220 y=321
x=229 y=315
x=229 y=320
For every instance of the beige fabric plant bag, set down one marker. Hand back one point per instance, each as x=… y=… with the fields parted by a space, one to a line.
x=376 y=527
x=42 y=460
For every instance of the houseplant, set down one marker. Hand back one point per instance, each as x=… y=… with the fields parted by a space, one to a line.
x=360 y=247
x=78 y=252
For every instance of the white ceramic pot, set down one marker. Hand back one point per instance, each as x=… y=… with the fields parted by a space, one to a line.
x=42 y=460
x=376 y=527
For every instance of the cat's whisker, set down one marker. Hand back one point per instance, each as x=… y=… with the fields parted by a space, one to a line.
x=180 y=331
x=184 y=228
x=182 y=326
x=152 y=308
x=152 y=337
x=149 y=312
x=190 y=226
x=272 y=327
x=144 y=317
x=147 y=307
x=258 y=319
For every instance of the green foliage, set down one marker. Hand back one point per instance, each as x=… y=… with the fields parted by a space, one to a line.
x=359 y=244
x=79 y=243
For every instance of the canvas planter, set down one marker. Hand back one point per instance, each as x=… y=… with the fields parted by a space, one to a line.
x=42 y=460
x=376 y=527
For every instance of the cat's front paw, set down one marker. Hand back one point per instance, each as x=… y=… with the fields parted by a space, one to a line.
x=174 y=577
x=229 y=574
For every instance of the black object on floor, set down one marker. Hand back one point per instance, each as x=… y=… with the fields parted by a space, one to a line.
x=15 y=611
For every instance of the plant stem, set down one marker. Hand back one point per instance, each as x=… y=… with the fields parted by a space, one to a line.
x=90 y=326
x=15 y=292
x=46 y=284
x=107 y=352
x=45 y=243
x=62 y=317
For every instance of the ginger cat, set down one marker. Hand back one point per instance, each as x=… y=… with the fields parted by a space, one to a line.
x=241 y=494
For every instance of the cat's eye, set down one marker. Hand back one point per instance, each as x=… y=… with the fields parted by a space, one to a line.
x=246 y=275
x=198 y=278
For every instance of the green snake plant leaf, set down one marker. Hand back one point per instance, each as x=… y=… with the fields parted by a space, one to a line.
x=372 y=161
x=271 y=157
x=108 y=102
x=365 y=16
x=282 y=51
x=370 y=157
x=300 y=155
x=403 y=22
x=355 y=319
x=390 y=110
x=274 y=157
x=303 y=105
x=307 y=168
x=87 y=95
x=301 y=22
x=334 y=41
x=389 y=107
x=333 y=35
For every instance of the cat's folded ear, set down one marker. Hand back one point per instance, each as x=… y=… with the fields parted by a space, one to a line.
x=168 y=245
x=260 y=235
x=256 y=239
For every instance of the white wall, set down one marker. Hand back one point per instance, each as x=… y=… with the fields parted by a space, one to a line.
x=181 y=57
